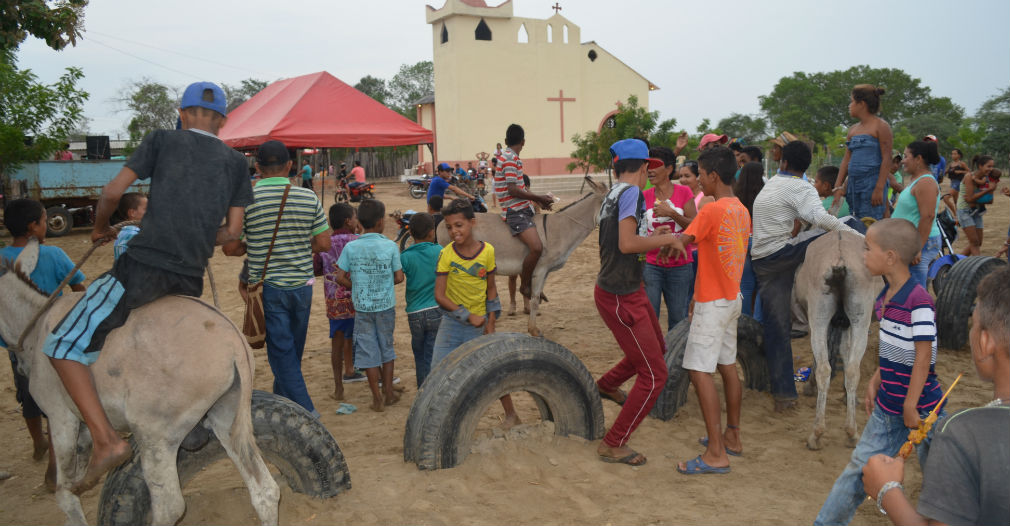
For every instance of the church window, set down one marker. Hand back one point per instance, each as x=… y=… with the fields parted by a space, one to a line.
x=445 y=34
x=564 y=33
x=550 y=34
x=482 y=32
x=592 y=55
x=524 y=37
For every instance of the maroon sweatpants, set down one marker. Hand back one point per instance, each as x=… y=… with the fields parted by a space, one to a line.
x=631 y=318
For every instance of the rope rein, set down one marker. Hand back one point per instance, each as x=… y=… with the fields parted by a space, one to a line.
x=56 y=292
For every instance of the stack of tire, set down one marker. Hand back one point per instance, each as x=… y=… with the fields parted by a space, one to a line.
x=458 y=391
x=955 y=299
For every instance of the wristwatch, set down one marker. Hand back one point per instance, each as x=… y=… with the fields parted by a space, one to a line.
x=883 y=491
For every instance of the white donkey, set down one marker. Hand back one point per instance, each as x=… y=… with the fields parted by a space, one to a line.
x=837 y=292
x=173 y=362
x=560 y=232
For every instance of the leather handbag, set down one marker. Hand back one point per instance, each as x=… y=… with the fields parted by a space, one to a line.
x=254 y=323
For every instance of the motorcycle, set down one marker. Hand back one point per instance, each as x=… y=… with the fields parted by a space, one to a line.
x=418 y=188
x=403 y=237
x=353 y=191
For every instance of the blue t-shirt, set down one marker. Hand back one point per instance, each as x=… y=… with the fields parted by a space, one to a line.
x=124 y=237
x=53 y=266
x=306 y=172
x=371 y=261
x=419 y=265
x=438 y=186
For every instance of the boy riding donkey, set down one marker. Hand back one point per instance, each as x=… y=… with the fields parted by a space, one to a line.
x=168 y=256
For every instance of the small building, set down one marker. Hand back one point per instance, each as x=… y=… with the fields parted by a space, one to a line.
x=493 y=69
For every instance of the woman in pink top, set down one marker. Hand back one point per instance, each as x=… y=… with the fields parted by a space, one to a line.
x=689 y=178
x=671 y=205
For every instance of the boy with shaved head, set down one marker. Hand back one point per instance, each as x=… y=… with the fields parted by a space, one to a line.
x=904 y=388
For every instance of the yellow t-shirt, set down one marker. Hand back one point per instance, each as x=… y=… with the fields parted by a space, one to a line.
x=467 y=277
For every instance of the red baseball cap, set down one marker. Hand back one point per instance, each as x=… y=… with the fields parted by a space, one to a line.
x=710 y=138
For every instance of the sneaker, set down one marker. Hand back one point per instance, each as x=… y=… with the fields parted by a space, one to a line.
x=396 y=380
x=355 y=378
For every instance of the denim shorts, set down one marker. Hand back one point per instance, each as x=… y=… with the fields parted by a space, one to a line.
x=519 y=221
x=345 y=326
x=451 y=334
x=970 y=217
x=373 y=338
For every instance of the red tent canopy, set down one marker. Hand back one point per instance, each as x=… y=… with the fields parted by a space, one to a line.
x=318 y=110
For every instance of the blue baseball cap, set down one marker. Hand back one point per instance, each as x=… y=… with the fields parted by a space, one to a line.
x=444 y=167
x=193 y=96
x=633 y=149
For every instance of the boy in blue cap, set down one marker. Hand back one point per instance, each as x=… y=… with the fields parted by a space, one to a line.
x=167 y=257
x=623 y=304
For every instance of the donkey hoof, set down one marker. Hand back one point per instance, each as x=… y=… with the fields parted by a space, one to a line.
x=852 y=441
x=814 y=443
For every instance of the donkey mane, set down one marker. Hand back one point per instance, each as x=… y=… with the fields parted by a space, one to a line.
x=15 y=268
x=577 y=201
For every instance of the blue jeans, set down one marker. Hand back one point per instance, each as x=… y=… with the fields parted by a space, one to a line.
x=671 y=283
x=286 y=313
x=423 y=329
x=748 y=288
x=452 y=334
x=884 y=433
x=929 y=251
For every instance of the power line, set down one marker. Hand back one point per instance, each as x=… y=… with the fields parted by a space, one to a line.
x=144 y=59
x=191 y=57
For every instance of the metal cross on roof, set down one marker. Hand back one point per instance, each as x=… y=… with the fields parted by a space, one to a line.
x=556 y=7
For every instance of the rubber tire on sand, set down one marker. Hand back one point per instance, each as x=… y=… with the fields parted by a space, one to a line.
x=956 y=300
x=62 y=218
x=297 y=444
x=750 y=356
x=459 y=390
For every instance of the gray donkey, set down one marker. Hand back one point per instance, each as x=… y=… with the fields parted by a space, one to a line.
x=837 y=292
x=173 y=362
x=560 y=233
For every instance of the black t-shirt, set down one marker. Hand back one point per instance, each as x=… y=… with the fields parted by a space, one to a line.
x=967 y=475
x=195 y=178
x=619 y=273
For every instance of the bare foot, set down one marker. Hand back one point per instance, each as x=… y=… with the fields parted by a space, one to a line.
x=512 y=309
x=392 y=397
x=526 y=290
x=510 y=421
x=51 y=477
x=378 y=406
x=337 y=394
x=40 y=451
x=399 y=388
x=99 y=465
x=782 y=406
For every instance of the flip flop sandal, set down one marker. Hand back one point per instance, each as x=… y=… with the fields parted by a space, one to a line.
x=697 y=466
x=627 y=459
x=731 y=452
x=613 y=398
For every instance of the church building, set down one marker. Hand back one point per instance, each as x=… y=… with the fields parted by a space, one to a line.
x=493 y=69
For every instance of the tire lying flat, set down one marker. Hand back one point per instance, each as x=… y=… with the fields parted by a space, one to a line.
x=749 y=354
x=297 y=444
x=956 y=300
x=459 y=390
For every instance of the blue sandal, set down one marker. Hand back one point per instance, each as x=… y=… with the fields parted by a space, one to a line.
x=697 y=466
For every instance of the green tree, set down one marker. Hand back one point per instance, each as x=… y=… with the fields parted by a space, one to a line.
x=247 y=89
x=813 y=104
x=993 y=119
x=374 y=87
x=152 y=106
x=58 y=25
x=35 y=118
x=749 y=128
x=592 y=149
x=410 y=84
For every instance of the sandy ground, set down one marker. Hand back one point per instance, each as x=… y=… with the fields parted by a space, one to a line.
x=527 y=477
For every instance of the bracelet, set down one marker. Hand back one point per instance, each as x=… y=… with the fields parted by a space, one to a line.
x=883 y=491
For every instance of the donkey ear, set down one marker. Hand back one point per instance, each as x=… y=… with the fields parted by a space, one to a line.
x=29 y=257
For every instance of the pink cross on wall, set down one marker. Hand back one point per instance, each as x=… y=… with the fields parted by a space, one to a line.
x=561 y=100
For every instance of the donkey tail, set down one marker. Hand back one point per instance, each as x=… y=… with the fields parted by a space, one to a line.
x=835 y=282
x=242 y=427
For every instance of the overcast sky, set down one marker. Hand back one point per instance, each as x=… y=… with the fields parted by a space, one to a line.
x=710 y=59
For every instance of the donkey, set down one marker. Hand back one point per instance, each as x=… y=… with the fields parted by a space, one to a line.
x=175 y=361
x=560 y=233
x=837 y=292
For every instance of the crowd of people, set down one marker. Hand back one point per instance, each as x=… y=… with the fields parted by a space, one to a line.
x=711 y=238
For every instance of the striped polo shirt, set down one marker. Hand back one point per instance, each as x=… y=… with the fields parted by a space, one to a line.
x=510 y=170
x=291 y=259
x=908 y=318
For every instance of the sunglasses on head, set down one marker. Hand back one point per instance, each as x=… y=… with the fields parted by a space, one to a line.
x=690 y=163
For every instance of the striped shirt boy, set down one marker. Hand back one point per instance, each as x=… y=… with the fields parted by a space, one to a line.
x=909 y=317
x=291 y=259
x=510 y=170
x=783 y=199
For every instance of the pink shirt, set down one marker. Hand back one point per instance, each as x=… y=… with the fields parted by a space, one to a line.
x=358 y=173
x=681 y=195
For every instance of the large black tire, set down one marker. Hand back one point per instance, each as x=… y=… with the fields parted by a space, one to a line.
x=940 y=278
x=456 y=393
x=956 y=300
x=417 y=192
x=297 y=444
x=59 y=222
x=749 y=354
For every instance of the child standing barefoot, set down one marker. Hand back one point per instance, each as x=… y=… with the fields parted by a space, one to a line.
x=339 y=306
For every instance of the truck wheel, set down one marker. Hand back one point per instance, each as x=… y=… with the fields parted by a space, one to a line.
x=749 y=354
x=297 y=444
x=60 y=221
x=956 y=300
x=455 y=395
